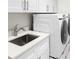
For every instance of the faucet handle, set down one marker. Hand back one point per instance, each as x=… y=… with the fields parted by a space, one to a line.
x=23 y=28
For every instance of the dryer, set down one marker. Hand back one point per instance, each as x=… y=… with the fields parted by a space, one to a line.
x=50 y=23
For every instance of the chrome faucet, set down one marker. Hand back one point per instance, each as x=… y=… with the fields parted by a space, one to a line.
x=16 y=29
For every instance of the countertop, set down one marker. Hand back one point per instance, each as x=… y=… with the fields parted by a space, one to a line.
x=15 y=50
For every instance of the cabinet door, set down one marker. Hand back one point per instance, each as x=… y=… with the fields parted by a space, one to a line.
x=45 y=55
x=55 y=5
x=42 y=5
x=16 y=6
x=43 y=50
x=50 y=5
x=32 y=5
x=31 y=56
x=28 y=55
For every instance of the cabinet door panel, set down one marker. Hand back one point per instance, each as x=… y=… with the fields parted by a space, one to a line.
x=42 y=50
x=28 y=55
x=43 y=47
x=50 y=5
x=31 y=56
x=42 y=5
x=55 y=5
x=15 y=5
x=32 y=5
x=45 y=55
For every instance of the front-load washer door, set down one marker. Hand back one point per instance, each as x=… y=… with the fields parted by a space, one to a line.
x=64 y=32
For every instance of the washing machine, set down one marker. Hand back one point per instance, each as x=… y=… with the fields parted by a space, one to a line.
x=66 y=54
x=58 y=30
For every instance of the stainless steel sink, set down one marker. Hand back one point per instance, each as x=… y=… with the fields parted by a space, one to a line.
x=24 y=39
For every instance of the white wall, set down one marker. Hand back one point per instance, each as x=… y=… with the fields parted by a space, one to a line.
x=63 y=6
x=19 y=18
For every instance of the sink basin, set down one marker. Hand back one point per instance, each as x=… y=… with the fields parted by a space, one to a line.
x=24 y=39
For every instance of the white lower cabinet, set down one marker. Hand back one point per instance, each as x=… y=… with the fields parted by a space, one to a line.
x=44 y=55
x=43 y=50
x=31 y=56
x=27 y=55
x=32 y=5
x=39 y=51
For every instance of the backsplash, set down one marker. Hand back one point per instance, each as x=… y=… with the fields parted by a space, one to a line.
x=22 y=19
x=19 y=18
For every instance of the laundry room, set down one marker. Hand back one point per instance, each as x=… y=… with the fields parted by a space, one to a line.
x=38 y=29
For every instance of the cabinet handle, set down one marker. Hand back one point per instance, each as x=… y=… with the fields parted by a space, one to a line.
x=47 y=8
x=27 y=4
x=24 y=5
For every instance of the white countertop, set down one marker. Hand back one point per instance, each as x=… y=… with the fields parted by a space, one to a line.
x=15 y=50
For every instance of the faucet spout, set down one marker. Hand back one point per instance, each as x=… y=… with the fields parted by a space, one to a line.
x=16 y=29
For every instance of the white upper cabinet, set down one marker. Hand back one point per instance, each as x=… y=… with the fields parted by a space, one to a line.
x=31 y=5
x=47 y=5
x=52 y=5
x=22 y=5
x=55 y=2
x=16 y=5
x=42 y=5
